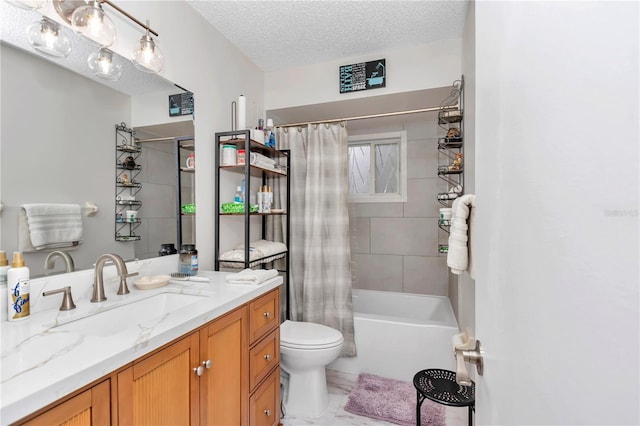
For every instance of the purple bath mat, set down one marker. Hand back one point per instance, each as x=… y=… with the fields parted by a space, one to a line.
x=391 y=400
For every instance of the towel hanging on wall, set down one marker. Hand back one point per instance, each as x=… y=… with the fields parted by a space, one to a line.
x=48 y=225
x=459 y=256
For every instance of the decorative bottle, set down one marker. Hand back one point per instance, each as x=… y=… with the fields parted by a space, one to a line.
x=18 y=287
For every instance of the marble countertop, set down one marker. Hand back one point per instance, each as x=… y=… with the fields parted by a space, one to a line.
x=42 y=362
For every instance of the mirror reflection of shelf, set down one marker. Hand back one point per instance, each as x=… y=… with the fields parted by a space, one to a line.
x=188 y=169
x=443 y=248
x=129 y=148
x=129 y=202
x=128 y=237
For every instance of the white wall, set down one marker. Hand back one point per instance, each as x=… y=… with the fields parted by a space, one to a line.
x=557 y=145
x=426 y=66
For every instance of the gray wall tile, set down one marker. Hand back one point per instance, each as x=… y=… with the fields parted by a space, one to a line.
x=425 y=275
x=374 y=272
x=363 y=235
x=378 y=209
x=404 y=236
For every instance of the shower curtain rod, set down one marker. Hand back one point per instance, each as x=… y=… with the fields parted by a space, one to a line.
x=363 y=117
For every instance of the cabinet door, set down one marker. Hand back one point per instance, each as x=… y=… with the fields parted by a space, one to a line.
x=224 y=385
x=265 y=402
x=163 y=388
x=91 y=407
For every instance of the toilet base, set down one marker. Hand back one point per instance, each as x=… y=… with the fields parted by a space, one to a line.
x=307 y=394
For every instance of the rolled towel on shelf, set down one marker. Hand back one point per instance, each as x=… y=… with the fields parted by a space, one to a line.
x=258 y=159
x=250 y=276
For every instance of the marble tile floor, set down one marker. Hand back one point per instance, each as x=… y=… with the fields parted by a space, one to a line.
x=339 y=385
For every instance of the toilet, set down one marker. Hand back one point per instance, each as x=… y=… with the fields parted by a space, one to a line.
x=305 y=349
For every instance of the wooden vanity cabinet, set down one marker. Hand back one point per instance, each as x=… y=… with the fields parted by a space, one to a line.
x=226 y=372
x=91 y=407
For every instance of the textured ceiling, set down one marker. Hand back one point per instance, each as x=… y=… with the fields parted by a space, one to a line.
x=281 y=34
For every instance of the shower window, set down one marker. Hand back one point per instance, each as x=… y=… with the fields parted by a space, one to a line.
x=377 y=167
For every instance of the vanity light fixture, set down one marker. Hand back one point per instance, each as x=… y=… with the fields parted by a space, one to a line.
x=102 y=65
x=147 y=56
x=48 y=37
x=91 y=21
x=88 y=18
x=27 y=4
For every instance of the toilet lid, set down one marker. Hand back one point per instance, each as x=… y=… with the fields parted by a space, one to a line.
x=297 y=334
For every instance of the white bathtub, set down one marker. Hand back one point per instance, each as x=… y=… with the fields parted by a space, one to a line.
x=399 y=334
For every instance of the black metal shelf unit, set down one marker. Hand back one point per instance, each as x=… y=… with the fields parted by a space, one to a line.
x=242 y=140
x=126 y=188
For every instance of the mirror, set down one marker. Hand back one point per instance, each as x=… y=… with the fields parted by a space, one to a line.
x=58 y=145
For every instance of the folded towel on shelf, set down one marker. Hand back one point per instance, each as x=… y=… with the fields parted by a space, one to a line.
x=250 y=276
x=260 y=251
x=48 y=225
x=263 y=159
x=460 y=235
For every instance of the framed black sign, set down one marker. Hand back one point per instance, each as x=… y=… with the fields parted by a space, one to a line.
x=363 y=76
x=181 y=104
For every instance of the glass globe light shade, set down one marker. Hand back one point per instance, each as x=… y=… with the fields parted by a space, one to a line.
x=93 y=23
x=27 y=4
x=102 y=65
x=148 y=57
x=47 y=37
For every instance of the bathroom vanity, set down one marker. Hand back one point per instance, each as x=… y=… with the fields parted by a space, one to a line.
x=210 y=355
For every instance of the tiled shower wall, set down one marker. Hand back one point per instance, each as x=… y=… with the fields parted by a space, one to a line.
x=396 y=244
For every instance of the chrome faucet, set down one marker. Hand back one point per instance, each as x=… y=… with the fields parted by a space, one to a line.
x=50 y=261
x=98 y=278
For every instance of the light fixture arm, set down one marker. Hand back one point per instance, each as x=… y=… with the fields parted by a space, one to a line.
x=117 y=8
x=65 y=9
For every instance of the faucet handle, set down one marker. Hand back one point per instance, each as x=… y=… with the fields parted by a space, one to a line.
x=67 y=300
x=123 y=289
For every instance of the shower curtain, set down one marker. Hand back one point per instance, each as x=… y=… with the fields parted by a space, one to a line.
x=319 y=244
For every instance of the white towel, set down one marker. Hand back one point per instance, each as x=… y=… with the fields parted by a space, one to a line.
x=260 y=251
x=257 y=158
x=460 y=237
x=249 y=276
x=46 y=226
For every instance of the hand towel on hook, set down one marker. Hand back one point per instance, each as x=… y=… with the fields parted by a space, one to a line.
x=459 y=256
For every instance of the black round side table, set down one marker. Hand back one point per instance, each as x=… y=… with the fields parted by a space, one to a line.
x=440 y=386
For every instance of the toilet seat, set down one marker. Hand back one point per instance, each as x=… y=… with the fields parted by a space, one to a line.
x=308 y=335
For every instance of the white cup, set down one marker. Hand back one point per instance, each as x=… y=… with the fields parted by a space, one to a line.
x=132 y=215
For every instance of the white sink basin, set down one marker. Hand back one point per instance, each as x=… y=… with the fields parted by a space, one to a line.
x=142 y=314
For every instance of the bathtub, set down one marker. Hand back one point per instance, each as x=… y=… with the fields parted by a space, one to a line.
x=399 y=334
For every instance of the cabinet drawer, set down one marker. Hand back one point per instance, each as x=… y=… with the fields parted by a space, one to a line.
x=264 y=315
x=265 y=403
x=264 y=357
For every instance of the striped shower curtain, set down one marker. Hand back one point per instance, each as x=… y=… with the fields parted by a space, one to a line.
x=319 y=245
